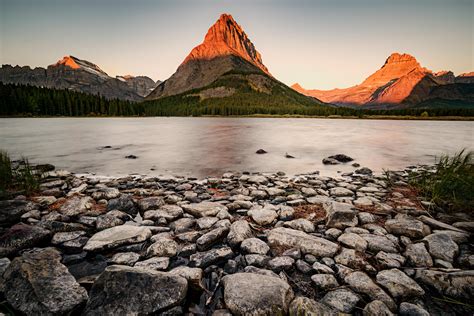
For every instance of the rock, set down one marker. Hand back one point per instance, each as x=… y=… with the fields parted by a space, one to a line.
x=389 y=260
x=76 y=205
x=193 y=275
x=206 y=222
x=353 y=259
x=182 y=225
x=239 y=231
x=38 y=284
x=4 y=263
x=147 y=291
x=340 y=215
x=399 y=284
x=254 y=245
x=300 y=224
x=459 y=284
x=418 y=256
x=442 y=246
x=281 y=263
x=364 y=171
x=322 y=268
x=256 y=260
x=123 y=203
x=378 y=243
x=365 y=218
x=131 y=157
x=89 y=267
x=438 y=225
x=354 y=241
x=256 y=294
x=203 y=209
x=125 y=258
x=150 y=203
x=163 y=247
x=155 y=263
x=407 y=227
x=303 y=306
x=290 y=238
x=105 y=193
x=363 y=202
x=264 y=216
x=257 y=179
x=107 y=221
x=408 y=309
x=377 y=308
x=213 y=256
x=338 y=191
x=330 y=161
x=341 y=158
x=12 y=210
x=343 y=300
x=21 y=236
x=334 y=233
x=324 y=281
x=260 y=152
x=207 y=240
x=361 y=283
x=117 y=236
x=169 y=212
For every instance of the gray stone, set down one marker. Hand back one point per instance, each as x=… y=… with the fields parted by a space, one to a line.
x=76 y=205
x=290 y=238
x=378 y=243
x=281 y=263
x=169 y=212
x=322 y=268
x=117 y=236
x=207 y=240
x=340 y=215
x=300 y=224
x=206 y=222
x=256 y=260
x=203 y=209
x=150 y=203
x=256 y=294
x=155 y=263
x=377 y=308
x=354 y=241
x=107 y=221
x=418 y=256
x=343 y=300
x=303 y=306
x=207 y=258
x=163 y=247
x=442 y=246
x=105 y=193
x=438 y=225
x=459 y=284
x=193 y=275
x=123 y=203
x=254 y=245
x=125 y=258
x=361 y=283
x=324 y=281
x=147 y=291
x=38 y=284
x=182 y=225
x=263 y=216
x=407 y=227
x=399 y=284
x=353 y=259
x=408 y=309
x=239 y=231
x=389 y=260
x=338 y=191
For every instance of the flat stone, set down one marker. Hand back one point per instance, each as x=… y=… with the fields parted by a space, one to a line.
x=106 y=193
x=125 y=258
x=37 y=283
x=343 y=300
x=377 y=308
x=182 y=225
x=207 y=240
x=163 y=247
x=418 y=256
x=399 y=284
x=305 y=306
x=155 y=263
x=76 y=205
x=324 y=281
x=307 y=244
x=117 y=236
x=362 y=283
x=263 y=216
x=21 y=236
x=363 y=202
x=150 y=203
x=458 y=284
x=213 y=256
x=193 y=275
x=281 y=263
x=147 y=291
x=203 y=209
x=239 y=231
x=300 y=224
x=256 y=294
x=169 y=212
x=206 y=222
x=389 y=260
x=338 y=191
x=438 y=225
x=442 y=246
x=354 y=241
x=254 y=245
x=408 y=309
x=340 y=215
x=378 y=243
x=407 y=227
x=63 y=237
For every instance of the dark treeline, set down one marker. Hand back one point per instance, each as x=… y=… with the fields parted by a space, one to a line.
x=21 y=100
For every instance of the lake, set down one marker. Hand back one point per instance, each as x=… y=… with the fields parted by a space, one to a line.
x=211 y=146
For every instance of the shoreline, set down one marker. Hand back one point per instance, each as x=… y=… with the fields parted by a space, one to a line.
x=234 y=244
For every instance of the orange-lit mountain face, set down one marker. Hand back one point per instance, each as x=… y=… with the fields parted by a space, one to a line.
x=225 y=48
x=401 y=80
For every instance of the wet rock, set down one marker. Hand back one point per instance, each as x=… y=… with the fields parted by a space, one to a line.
x=203 y=209
x=254 y=245
x=324 y=281
x=300 y=224
x=407 y=227
x=364 y=171
x=341 y=158
x=76 y=205
x=307 y=244
x=408 y=309
x=256 y=294
x=362 y=283
x=399 y=284
x=340 y=215
x=38 y=284
x=377 y=308
x=207 y=240
x=263 y=216
x=163 y=247
x=125 y=258
x=147 y=291
x=305 y=306
x=418 y=256
x=458 y=284
x=260 y=151
x=330 y=161
x=354 y=241
x=150 y=203
x=155 y=263
x=281 y=263
x=442 y=246
x=123 y=203
x=117 y=236
x=239 y=231
x=21 y=236
x=213 y=256
x=343 y=300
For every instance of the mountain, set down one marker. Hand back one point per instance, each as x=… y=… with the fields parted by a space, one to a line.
x=142 y=85
x=400 y=82
x=78 y=75
x=227 y=69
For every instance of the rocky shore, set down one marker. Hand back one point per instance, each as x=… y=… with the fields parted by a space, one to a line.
x=242 y=244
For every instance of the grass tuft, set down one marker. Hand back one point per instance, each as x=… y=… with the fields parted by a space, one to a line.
x=20 y=179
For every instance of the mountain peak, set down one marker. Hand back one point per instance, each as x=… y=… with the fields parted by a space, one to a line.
x=226 y=37
x=400 y=58
x=69 y=61
x=76 y=63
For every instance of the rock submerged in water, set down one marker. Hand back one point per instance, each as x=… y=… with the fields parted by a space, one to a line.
x=260 y=152
x=337 y=159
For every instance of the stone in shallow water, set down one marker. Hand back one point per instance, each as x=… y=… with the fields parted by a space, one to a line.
x=21 y=236
x=256 y=294
x=117 y=236
x=399 y=284
x=308 y=244
x=38 y=284
x=147 y=291
x=203 y=209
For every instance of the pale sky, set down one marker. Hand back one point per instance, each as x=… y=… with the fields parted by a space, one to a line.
x=320 y=44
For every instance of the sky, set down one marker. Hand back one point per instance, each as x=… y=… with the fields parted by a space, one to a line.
x=321 y=44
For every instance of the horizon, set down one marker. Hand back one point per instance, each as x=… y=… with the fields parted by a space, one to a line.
x=288 y=57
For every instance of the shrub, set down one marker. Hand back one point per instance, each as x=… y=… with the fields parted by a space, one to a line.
x=23 y=177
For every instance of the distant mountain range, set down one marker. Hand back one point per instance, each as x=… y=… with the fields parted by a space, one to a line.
x=227 y=70
x=401 y=82
x=80 y=75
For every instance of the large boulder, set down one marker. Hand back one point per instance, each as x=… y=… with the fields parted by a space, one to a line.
x=204 y=208
x=308 y=244
x=442 y=246
x=256 y=294
x=418 y=256
x=340 y=215
x=21 y=236
x=117 y=236
x=37 y=283
x=124 y=290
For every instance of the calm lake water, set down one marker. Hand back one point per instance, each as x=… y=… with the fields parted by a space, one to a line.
x=211 y=146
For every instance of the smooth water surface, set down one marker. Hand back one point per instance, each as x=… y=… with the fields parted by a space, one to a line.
x=211 y=146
